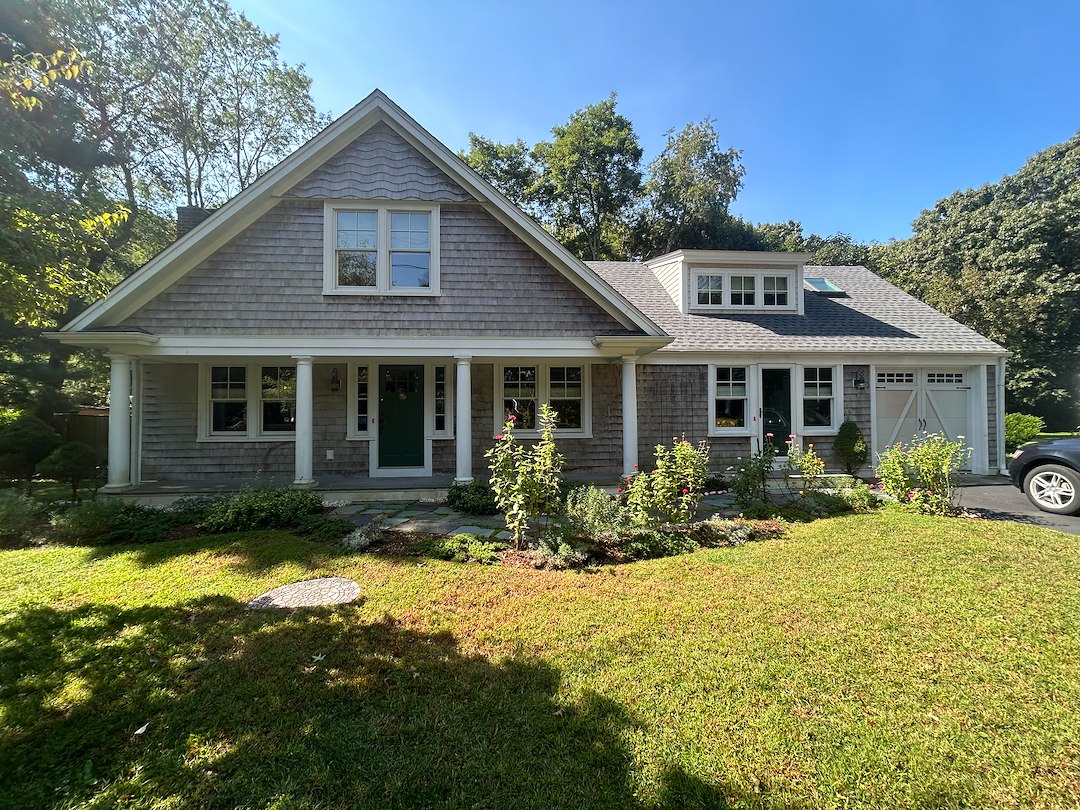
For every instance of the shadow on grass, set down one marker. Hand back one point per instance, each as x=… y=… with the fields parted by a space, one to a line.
x=308 y=708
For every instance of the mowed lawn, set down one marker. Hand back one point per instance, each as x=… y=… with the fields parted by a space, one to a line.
x=862 y=661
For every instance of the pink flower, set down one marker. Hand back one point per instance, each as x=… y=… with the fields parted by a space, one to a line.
x=788 y=441
x=686 y=492
x=512 y=418
x=499 y=438
x=619 y=489
x=881 y=486
x=791 y=435
x=769 y=435
x=635 y=466
x=911 y=496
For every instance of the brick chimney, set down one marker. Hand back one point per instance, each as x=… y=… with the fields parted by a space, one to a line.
x=188 y=216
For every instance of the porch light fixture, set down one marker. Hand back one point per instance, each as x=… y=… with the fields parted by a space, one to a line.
x=335 y=381
x=858 y=380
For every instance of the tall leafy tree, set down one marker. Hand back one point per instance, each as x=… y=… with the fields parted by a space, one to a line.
x=690 y=186
x=509 y=167
x=838 y=249
x=1005 y=260
x=591 y=180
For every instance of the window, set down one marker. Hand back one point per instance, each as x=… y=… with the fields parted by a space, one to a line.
x=945 y=377
x=381 y=250
x=360 y=422
x=525 y=388
x=363 y=400
x=742 y=289
x=817 y=397
x=774 y=291
x=228 y=400
x=245 y=402
x=730 y=394
x=710 y=290
x=896 y=378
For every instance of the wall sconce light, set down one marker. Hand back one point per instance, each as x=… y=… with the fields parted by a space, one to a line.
x=858 y=379
x=335 y=381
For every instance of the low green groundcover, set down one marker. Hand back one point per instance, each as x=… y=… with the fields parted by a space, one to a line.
x=885 y=660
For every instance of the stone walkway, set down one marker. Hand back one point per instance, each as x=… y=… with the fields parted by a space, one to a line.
x=433 y=518
x=309 y=593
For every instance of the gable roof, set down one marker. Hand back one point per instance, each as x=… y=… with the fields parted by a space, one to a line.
x=874 y=317
x=188 y=251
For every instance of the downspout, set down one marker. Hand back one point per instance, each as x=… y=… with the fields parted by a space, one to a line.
x=999 y=380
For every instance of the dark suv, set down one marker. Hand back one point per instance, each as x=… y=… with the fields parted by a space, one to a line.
x=1048 y=474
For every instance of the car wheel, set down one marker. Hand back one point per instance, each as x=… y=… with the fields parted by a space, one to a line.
x=1054 y=488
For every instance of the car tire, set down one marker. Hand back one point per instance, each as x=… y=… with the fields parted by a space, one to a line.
x=1054 y=488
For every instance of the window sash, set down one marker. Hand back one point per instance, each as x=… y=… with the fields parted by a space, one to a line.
x=731 y=395
x=385 y=249
x=565 y=388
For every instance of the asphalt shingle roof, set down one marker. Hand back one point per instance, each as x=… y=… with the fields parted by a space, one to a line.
x=874 y=317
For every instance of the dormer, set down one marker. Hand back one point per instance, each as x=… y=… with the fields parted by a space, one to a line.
x=732 y=282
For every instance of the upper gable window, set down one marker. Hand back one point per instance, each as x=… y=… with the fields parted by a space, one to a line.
x=386 y=249
x=758 y=290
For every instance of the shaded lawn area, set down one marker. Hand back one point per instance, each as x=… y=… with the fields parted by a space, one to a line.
x=883 y=660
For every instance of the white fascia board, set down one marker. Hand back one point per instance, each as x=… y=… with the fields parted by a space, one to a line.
x=750 y=257
x=587 y=280
x=198 y=346
x=103 y=339
x=676 y=358
x=624 y=345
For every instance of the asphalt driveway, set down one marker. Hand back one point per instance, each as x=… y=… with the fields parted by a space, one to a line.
x=997 y=499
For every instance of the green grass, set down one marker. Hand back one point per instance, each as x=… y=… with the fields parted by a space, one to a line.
x=1068 y=434
x=863 y=661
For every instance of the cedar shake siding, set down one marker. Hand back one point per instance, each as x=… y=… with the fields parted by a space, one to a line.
x=269 y=280
x=379 y=165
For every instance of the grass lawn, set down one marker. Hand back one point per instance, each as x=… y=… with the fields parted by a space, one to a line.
x=1045 y=437
x=861 y=661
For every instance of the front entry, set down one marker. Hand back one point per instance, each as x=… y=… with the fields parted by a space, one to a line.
x=776 y=408
x=401 y=416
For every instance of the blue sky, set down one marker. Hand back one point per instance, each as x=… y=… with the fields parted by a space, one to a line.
x=852 y=117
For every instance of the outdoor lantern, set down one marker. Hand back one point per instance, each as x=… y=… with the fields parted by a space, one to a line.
x=335 y=381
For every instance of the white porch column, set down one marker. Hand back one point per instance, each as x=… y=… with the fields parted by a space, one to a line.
x=119 y=422
x=629 y=415
x=304 y=421
x=463 y=418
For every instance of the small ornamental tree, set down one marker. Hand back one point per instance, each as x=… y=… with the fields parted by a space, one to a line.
x=72 y=462
x=24 y=443
x=850 y=448
x=526 y=481
x=672 y=491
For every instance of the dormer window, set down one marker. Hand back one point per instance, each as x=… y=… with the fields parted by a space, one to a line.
x=738 y=289
x=385 y=249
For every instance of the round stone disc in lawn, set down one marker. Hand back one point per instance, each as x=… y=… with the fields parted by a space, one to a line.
x=309 y=593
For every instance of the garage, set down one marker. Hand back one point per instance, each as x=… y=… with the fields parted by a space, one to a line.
x=911 y=401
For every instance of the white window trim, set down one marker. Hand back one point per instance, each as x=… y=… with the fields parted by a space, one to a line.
x=383 y=209
x=751 y=408
x=837 y=399
x=254 y=406
x=352 y=434
x=543 y=387
x=759 y=274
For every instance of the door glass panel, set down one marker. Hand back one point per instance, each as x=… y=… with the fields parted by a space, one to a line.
x=775 y=406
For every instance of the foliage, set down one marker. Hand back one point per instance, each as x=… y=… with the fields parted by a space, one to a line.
x=806 y=464
x=265 y=508
x=511 y=168
x=671 y=492
x=649 y=544
x=923 y=476
x=590 y=179
x=859 y=498
x=1021 y=428
x=72 y=463
x=590 y=513
x=323 y=529
x=558 y=553
x=24 y=443
x=1004 y=259
x=714 y=482
x=850 y=448
x=750 y=477
x=838 y=249
x=526 y=481
x=363 y=537
x=17 y=513
x=473 y=498
x=105 y=521
x=461 y=548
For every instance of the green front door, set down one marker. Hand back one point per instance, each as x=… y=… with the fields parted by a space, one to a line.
x=401 y=416
x=776 y=419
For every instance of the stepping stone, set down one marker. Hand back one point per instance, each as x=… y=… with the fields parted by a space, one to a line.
x=309 y=593
x=481 y=531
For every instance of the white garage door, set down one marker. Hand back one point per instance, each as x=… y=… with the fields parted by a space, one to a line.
x=914 y=401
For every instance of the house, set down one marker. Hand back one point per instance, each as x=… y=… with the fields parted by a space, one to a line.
x=371 y=310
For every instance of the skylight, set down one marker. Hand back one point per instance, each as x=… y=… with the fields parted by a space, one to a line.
x=822 y=286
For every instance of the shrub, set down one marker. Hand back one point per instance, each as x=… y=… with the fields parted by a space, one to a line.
x=672 y=492
x=364 y=537
x=592 y=513
x=923 y=477
x=461 y=548
x=749 y=483
x=101 y=522
x=473 y=498
x=808 y=465
x=646 y=545
x=194 y=507
x=789 y=513
x=860 y=498
x=1021 y=428
x=269 y=508
x=16 y=516
x=323 y=529
x=24 y=443
x=850 y=449
x=822 y=504
x=527 y=481
x=721 y=532
x=554 y=554
x=72 y=463
x=714 y=482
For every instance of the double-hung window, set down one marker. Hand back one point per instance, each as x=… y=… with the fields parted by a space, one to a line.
x=820 y=399
x=251 y=401
x=729 y=399
x=522 y=389
x=737 y=289
x=387 y=249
